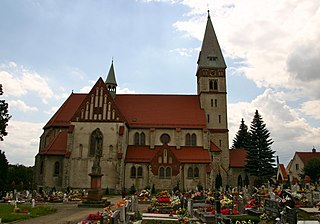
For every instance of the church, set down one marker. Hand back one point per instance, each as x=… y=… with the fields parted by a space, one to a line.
x=142 y=139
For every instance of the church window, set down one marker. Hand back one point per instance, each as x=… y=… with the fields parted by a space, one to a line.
x=215 y=102
x=212 y=58
x=168 y=172
x=239 y=181
x=211 y=85
x=193 y=139
x=211 y=102
x=139 y=139
x=161 y=172
x=208 y=118
x=188 y=139
x=190 y=172
x=56 y=168
x=219 y=118
x=220 y=142
x=297 y=166
x=133 y=172
x=165 y=156
x=80 y=150
x=136 y=138
x=165 y=138
x=96 y=140
x=196 y=172
x=215 y=85
x=41 y=167
x=142 y=139
x=139 y=172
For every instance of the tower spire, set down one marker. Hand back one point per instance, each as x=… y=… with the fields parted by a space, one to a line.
x=111 y=80
x=210 y=55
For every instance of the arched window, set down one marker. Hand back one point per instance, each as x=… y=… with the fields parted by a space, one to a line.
x=188 y=139
x=239 y=181
x=196 y=172
x=80 y=150
x=56 y=168
x=133 y=172
x=190 y=172
x=165 y=156
x=139 y=173
x=142 y=139
x=96 y=142
x=215 y=85
x=210 y=85
x=168 y=172
x=41 y=167
x=161 y=172
x=193 y=139
x=136 y=138
x=246 y=180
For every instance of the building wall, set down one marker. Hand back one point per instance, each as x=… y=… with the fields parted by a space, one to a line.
x=295 y=168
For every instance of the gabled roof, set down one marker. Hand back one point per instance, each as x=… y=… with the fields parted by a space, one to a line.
x=63 y=116
x=171 y=111
x=143 y=154
x=210 y=55
x=214 y=147
x=58 y=146
x=237 y=158
x=306 y=156
x=283 y=171
x=98 y=105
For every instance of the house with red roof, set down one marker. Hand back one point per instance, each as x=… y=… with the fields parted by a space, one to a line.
x=296 y=165
x=142 y=140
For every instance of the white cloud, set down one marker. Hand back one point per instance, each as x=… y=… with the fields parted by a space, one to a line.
x=187 y=52
x=289 y=130
x=22 y=142
x=311 y=108
x=18 y=81
x=22 y=106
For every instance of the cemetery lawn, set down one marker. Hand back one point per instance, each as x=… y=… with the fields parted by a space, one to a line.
x=7 y=213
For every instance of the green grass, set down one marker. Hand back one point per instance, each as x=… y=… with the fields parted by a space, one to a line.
x=7 y=213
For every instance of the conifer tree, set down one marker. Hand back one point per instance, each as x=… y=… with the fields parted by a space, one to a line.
x=260 y=157
x=242 y=137
x=4 y=116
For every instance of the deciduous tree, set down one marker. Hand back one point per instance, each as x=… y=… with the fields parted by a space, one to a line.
x=4 y=116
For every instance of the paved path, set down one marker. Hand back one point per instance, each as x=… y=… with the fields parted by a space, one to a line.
x=71 y=214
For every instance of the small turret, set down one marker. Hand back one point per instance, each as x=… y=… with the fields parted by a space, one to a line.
x=111 y=82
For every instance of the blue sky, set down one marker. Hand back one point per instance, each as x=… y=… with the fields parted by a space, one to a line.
x=50 y=48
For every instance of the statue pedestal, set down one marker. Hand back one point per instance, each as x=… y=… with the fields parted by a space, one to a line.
x=94 y=194
x=95 y=191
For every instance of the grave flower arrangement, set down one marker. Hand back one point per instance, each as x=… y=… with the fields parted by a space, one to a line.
x=94 y=217
x=225 y=202
x=196 y=196
x=144 y=195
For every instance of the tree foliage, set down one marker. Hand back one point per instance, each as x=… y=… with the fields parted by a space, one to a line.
x=242 y=137
x=260 y=157
x=20 y=177
x=4 y=116
x=311 y=169
x=3 y=170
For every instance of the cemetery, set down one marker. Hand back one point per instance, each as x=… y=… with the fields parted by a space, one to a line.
x=265 y=204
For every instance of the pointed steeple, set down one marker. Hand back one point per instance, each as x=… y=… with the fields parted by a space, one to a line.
x=210 y=55
x=111 y=81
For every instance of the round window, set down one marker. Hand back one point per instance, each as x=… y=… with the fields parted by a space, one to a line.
x=165 y=138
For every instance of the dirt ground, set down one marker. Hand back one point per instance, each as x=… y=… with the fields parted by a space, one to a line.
x=72 y=214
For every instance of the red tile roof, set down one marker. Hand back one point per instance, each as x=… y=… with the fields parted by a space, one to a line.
x=58 y=146
x=63 y=116
x=176 y=111
x=237 y=158
x=283 y=171
x=306 y=156
x=143 y=154
x=214 y=147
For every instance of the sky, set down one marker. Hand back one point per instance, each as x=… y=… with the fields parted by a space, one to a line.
x=50 y=48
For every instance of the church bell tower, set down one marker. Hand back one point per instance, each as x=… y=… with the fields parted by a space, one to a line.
x=212 y=91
